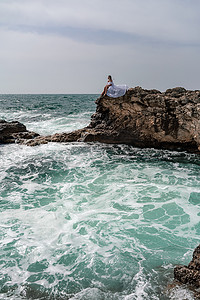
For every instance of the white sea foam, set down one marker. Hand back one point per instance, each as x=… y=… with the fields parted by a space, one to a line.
x=22 y=115
x=181 y=293
x=44 y=123
x=95 y=219
x=60 y=124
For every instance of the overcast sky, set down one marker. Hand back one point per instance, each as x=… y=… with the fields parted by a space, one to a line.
x=70 y=46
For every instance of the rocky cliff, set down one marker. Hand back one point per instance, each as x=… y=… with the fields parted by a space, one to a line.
x=190 y=274
x=149 y=118
x=142 y=118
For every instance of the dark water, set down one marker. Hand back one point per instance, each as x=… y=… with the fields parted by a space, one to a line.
x=91 y=221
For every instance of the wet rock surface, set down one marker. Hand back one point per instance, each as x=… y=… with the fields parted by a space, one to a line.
x=190 y=274
x=11 y=132
x=142 y=118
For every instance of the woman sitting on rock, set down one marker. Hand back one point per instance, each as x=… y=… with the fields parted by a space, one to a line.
x=113 y=90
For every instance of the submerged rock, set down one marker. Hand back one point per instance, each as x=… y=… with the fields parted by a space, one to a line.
x=190 y=274
x=11 y=132
x=142 y=118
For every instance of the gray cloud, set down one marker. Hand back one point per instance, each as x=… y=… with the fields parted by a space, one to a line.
x=49 y=46
x=160 y=20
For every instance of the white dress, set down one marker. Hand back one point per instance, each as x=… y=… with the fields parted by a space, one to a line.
x=115 y=91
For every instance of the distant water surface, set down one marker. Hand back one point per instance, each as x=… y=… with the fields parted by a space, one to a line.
x=91 y=221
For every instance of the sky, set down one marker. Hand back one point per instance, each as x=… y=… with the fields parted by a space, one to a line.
x=71 y=46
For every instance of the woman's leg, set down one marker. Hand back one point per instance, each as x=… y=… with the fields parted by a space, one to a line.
x=104 y=91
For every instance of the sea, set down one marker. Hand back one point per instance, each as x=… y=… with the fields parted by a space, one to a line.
x=91 y=221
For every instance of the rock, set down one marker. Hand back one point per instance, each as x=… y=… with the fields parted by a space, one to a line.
x=190 y=274
x=142 y=118
x=11 y=132
x=148 y=118
x=176 y=92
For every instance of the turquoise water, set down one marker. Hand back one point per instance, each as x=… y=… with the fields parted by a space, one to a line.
x=91 y=221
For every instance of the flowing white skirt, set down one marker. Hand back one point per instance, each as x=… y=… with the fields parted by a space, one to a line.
x=115 y=91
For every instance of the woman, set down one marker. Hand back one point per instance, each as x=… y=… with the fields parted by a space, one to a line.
x=113 y=90
x=109 y=83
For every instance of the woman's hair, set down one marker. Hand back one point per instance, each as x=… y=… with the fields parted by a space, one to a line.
x=110 y=77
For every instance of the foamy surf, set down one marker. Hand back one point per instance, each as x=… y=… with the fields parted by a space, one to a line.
x=92 y=221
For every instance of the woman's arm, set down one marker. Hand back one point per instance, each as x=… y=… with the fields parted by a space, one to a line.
x=107 y=86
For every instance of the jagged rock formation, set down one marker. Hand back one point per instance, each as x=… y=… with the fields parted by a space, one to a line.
x=149 y=118
x=190 y=274
x=10 y=132
x=142 y=118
